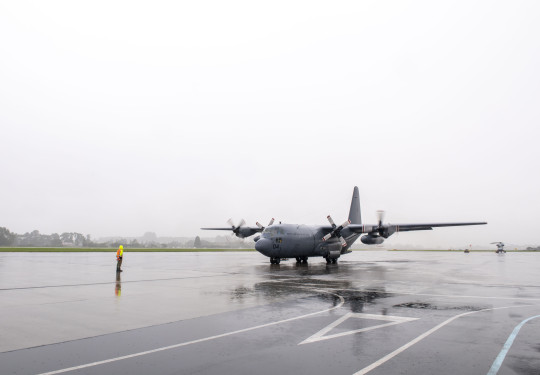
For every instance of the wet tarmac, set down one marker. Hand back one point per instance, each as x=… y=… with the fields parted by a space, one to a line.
x=233 y=313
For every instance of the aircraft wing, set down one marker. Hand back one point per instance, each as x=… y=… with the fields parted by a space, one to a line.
x=229 y=228
x=240 y=231
x=256 y=229
x=366 y=228
x=430 y=226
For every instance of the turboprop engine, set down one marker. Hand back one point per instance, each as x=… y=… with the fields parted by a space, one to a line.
x=379 y=233
x=372 y=239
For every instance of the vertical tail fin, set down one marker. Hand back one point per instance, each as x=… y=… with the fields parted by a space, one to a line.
x=354 y=212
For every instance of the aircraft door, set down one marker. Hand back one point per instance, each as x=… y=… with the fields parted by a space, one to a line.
x=276 y=245
x=277 y=242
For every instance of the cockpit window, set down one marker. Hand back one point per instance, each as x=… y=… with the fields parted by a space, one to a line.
x=269 y=231
x=273 y=231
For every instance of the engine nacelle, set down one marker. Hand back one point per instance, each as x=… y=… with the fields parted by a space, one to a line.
x=388 y=230
x=372 y=240
x=244 y=232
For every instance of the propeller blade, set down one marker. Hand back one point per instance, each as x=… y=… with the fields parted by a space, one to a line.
x=343 y=242
x=345 y=224
x=331 y=221
x=242 y=222
x=380 y=216
x=230 y=222
x=259 y=225
x=271 y=222
x=327 y=237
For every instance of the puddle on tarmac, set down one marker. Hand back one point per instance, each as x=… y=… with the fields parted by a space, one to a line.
x=429 y=306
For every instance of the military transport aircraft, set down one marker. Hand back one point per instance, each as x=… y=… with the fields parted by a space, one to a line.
x=329 y=241
x=500 y=247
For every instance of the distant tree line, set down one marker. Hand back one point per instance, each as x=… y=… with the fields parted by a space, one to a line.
x=36 y=239
x=148 y=240
x=7 y=238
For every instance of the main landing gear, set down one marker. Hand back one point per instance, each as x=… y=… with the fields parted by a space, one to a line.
x=331 y=260
x=275 y=260
x=301 y=260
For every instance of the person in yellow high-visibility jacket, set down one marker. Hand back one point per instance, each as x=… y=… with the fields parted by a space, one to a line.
x=119 y=255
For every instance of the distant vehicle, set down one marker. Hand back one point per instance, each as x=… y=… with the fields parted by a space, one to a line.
x=300 y=241
x=500 y=247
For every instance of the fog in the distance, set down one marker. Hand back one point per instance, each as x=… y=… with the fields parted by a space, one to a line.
x=127 y=117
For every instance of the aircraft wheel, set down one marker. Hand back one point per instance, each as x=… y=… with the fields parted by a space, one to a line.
x=272 y=261
x=304 y=259
x=277 y=260
x=328 y=260
x=334 y=261
x=298 y=259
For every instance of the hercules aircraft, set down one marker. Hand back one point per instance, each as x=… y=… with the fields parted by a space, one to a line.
x=328 y=241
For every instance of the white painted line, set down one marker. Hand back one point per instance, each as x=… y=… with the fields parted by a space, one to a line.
x=319 y=336
x=342 y=301
x=506 y=347
x=389 y=356
x=327 y=329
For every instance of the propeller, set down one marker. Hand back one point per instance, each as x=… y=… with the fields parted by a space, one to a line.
x=383 y=230
x=236 y=228
x=380 y=217
x=262 y=227
x=336 y=231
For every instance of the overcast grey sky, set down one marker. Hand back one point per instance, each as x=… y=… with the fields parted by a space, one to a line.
x=124 y=117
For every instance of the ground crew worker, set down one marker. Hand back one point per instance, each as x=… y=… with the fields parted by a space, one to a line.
x=119 y=254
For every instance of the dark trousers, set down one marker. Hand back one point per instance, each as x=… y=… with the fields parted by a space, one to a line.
x=118 y=264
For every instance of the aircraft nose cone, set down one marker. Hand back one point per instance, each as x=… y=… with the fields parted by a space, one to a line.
x=263 y=245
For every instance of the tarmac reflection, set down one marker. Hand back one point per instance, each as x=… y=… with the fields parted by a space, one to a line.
x=118 y=286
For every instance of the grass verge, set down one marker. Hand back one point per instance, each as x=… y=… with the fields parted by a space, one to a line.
x=107 y=250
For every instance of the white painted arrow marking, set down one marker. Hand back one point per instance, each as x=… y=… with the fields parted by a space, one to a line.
x=393 y=320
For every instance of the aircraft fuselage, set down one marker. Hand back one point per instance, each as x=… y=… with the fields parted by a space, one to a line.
x=292 y=241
